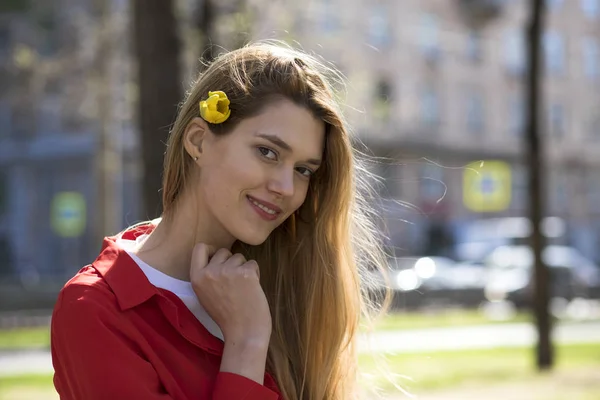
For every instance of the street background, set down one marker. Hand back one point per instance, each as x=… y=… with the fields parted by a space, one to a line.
x=436 y=91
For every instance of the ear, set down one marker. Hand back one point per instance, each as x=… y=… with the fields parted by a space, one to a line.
x=193 y=136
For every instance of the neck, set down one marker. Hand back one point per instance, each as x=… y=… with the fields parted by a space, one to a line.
x=169 y=246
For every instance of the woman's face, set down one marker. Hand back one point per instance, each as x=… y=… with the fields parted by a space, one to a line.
x=255 y=177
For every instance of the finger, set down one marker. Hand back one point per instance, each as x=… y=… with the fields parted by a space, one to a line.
x=236 y=260
x=221 y=256
x=200 y=255
x=252 y=265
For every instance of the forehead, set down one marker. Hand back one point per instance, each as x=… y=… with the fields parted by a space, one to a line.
x=295 y=125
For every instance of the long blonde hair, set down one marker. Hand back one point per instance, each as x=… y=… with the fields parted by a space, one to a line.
x=311 y=265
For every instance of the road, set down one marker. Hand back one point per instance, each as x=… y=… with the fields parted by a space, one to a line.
x=407 y=341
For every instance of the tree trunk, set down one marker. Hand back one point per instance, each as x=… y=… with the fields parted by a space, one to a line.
x=206 y=19
x=160 y=90
x=535 y=160
x=205 y=24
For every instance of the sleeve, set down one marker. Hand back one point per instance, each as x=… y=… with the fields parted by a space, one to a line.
x=232 y=386
x=95 y=358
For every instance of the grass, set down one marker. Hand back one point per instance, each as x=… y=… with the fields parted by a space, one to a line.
x=27 y=387
x=450 y=369
x=437 y=319
x=24 y=338
x=579 y=384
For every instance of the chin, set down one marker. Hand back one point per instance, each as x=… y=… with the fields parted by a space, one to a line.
x=253 y=242
x=253 y=238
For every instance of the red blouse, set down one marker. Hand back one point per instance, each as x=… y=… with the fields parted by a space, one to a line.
x=116 y=336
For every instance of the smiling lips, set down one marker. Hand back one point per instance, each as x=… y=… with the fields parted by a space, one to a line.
x=265 y=210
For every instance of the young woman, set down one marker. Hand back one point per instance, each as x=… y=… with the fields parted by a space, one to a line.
x=249 y=286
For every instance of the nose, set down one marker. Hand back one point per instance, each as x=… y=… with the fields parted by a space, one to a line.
x=282 y=182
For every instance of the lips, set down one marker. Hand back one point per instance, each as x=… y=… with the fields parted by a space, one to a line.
x=268 y=211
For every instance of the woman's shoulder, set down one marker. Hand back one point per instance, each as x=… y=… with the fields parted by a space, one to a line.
x=86 y=291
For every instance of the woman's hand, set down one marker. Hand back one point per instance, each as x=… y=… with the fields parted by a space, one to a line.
x=228 y=287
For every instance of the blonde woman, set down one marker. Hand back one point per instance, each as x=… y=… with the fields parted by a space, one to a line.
x=248 y=287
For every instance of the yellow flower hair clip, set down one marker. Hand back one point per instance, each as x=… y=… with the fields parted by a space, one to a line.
x=215 y=109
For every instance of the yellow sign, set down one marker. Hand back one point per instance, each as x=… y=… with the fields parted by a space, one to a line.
x=487 y=186
x=68 y=214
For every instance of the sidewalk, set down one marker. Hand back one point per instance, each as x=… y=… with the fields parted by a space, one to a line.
x=475 y=337
x=408 y=341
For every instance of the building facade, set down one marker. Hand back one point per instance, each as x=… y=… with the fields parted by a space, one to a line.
x=432 y=92
x=428 y=91
x=66 y=82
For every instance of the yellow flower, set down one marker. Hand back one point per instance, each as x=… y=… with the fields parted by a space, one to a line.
x=215 y=109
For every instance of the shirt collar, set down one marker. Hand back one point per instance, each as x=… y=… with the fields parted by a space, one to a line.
x=132 y=288
x=121 y=273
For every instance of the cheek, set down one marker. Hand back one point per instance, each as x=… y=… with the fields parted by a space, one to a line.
x=299 y=196
x=227 y=179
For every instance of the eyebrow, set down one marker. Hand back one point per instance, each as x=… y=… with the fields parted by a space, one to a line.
x=277 y=141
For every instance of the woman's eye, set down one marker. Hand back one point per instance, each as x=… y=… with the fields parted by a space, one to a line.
x=305 y=172
x=267 y=153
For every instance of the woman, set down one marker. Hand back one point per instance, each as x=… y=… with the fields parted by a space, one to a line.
x=248 y=287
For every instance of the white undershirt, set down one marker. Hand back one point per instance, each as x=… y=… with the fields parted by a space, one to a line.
x=181 y=289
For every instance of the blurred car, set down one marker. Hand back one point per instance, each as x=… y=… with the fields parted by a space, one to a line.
x=469 y=275
x=511 y=274
x=430 y=280
x=413 y=273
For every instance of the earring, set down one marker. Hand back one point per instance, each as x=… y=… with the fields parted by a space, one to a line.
x=195 y=158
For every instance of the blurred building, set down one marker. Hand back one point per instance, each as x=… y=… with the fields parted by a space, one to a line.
x=434 y=89
x=66 y=87
x=428 y=89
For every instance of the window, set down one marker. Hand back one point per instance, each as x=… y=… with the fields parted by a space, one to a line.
x=474 y=47
x=46 y=21
x=520 y=185
x=554 y=53
x=432 y=187
x=50 y=112
x=591 y=57
x=390 y=175
x=554 y=5
x=4 y=40
x=379 y=26
x=593 y=191
x=5 y=257
x=559 y=199
x=383 y=95
x=514 y=52
x=328 y=16
x=5 y=114
x=3 y=193
x=429 y=109
x=593 y=125
x=557 y=120
x=22 y=122
x=475 y=112
x=591 y=8
x=516 y=115
x=429 y=37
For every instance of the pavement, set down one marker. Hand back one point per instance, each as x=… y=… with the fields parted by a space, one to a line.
x=39 y=361
x=475 y=337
